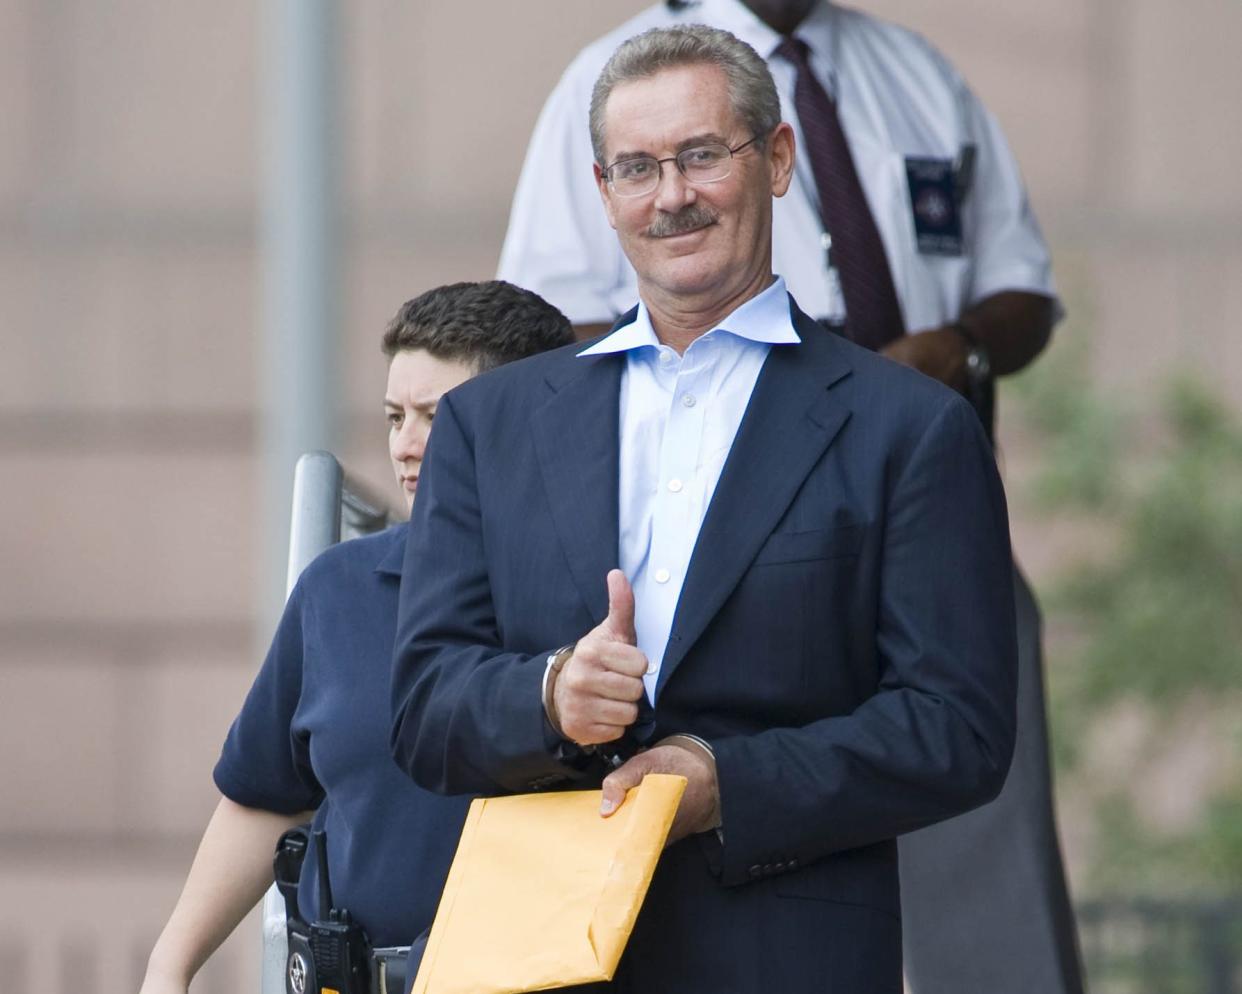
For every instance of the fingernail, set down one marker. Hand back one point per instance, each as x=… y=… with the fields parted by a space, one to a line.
x=607 y=806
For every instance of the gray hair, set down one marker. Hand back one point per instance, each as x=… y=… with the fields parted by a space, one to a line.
x=751 y=90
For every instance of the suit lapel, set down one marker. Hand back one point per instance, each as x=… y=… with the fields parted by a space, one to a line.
x=790 y=421
x=576 y=442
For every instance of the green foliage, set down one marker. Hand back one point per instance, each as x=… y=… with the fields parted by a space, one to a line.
x=1081 y=432
x=1159 y=617
x=1165 y=612
x=1136 y=859
x=1222 y=839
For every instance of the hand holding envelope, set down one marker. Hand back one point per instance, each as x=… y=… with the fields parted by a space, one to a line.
x=543 y=892
x=679 y=755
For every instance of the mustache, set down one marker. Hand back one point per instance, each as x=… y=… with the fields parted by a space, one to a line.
x=689 y=218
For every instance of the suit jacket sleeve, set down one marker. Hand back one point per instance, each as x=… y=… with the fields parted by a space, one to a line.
x=467 y=715
x=936 y=738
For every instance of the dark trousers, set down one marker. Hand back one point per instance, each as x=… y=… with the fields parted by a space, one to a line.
x=984 y=902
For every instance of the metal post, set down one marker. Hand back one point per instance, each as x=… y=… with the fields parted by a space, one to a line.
x=301 y=227
x=315 y=521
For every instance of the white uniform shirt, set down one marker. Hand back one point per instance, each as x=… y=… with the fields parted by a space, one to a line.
x=897 y=97
x=679 y=416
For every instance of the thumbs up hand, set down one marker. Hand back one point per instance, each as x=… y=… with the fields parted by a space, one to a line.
x=596 y=693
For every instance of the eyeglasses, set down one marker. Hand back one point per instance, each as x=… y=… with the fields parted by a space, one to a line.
x=640 y=175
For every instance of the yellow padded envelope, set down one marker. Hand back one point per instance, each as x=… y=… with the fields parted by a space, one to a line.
x=543 y=892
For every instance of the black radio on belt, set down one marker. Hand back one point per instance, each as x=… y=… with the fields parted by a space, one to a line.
x=332 y=954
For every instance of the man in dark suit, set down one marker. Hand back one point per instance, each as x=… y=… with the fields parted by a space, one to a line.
x=775 y=563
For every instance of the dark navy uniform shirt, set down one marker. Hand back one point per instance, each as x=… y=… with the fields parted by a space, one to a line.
x=313 y=733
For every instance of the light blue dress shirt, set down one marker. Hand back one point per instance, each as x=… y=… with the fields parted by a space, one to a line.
x=679 y=416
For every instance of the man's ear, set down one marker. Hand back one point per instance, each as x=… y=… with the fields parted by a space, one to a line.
x=604 y=194
x=781 y=158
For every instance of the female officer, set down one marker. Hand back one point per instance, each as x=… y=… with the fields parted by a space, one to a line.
x=312 y=735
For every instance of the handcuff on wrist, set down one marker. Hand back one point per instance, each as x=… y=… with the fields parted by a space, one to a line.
x=556 y=662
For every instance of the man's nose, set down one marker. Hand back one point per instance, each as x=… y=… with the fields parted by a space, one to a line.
x=409 y=443
x=674 y=191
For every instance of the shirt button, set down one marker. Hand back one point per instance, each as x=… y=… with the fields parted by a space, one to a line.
x=688 y=400
x=661 y=576
x=666 y=358
x=675 y=486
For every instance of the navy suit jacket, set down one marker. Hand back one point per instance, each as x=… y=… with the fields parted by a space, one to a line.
x=844 y=640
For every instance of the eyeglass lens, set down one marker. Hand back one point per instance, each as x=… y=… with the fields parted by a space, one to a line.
x=700 y=164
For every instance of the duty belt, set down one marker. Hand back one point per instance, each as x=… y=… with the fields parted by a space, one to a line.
x=388 y=969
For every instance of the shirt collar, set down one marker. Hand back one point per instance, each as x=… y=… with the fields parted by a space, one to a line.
x=733 y=16
x=633 y=335
x=764 y=318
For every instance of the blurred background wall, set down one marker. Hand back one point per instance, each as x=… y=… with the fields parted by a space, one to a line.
x=133 y=600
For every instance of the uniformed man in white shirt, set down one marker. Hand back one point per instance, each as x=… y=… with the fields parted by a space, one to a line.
x=901 y=104
x=985 y=896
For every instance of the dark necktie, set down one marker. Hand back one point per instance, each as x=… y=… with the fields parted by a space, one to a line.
x=873 y=316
